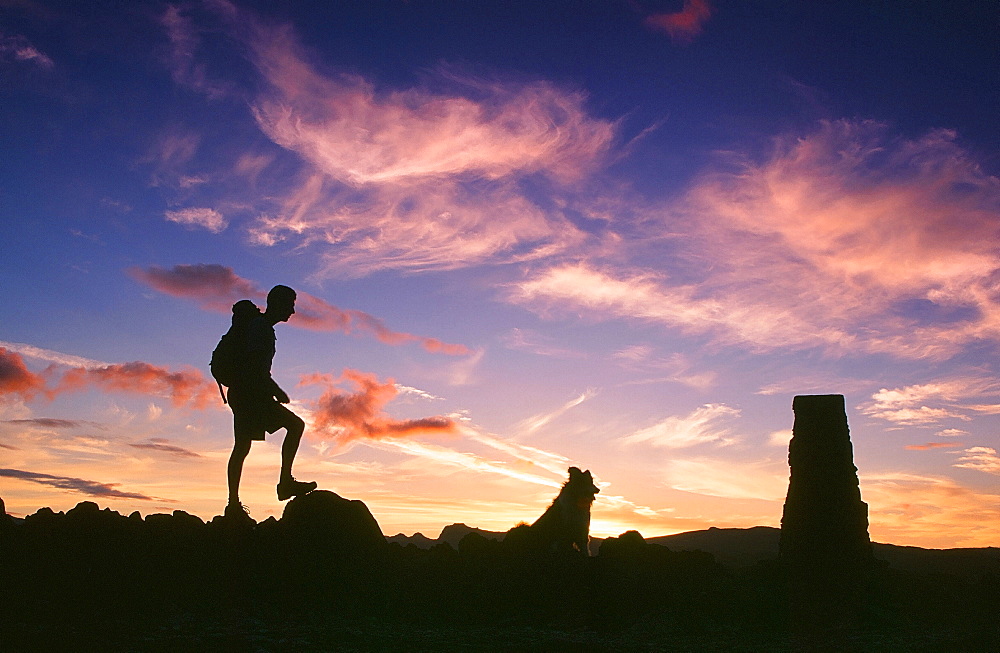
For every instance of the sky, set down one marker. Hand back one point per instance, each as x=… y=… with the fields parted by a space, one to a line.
x=615 y=234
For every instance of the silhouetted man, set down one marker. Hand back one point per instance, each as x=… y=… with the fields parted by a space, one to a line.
x=257 y=403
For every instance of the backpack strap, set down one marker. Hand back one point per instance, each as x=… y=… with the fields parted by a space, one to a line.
x=222 y=392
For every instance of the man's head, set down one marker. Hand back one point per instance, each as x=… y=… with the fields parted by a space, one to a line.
x=281 y=303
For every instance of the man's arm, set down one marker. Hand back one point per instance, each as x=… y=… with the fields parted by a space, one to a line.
x=260 y=353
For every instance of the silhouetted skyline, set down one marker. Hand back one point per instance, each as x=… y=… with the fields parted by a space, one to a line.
x=525 y=236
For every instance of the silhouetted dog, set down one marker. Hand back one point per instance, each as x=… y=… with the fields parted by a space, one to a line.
x=565 y=526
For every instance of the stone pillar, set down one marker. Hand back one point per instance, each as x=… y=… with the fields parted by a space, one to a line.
x=825 y=549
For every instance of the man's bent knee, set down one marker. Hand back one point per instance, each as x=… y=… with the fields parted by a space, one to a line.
x=294 y=424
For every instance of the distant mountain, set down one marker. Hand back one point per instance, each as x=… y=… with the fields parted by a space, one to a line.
x=418 y=540
x=453 y=534
x=733 y=547
x=744 y=547
x=972 y=564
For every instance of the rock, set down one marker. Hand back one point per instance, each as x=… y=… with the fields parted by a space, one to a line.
x=327 y=521
x=628 y=544
x=453 y=534
x=6 y=521
x=824 y=546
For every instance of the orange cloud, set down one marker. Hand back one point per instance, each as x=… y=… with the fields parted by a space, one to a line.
x=15 y=378
x=183 y=387
x=931 y=445
x=359 y=415
x=929 y=511
x=684 y=25
x=217 y=287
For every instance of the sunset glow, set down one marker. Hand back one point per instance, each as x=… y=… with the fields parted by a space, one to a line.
x=615 y=235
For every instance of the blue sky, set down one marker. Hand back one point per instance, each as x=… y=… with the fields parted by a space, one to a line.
x=618 y=235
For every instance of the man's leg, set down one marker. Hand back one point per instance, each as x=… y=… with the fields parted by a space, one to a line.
x=235 y=470
x=288 y=487
x=294 y=428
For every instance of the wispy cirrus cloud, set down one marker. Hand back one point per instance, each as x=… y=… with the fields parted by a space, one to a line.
x=50 y=422
x=848 y=240
x=359 y=135
x=929 y=403
x=675 y=367
x=983 y=459
x=83 y=486
x=428 y=177
x=182 y=55
x=701 y=426
x=162 y=445
x=204 y=218
x=535 y=422
x=685 y=25
x=715 y=477
x=645 y=296
x=217 y=287
x=17 y=48
x=50 y=356
x=537 y=343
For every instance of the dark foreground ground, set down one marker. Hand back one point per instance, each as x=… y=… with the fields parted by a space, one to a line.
x=91 y=579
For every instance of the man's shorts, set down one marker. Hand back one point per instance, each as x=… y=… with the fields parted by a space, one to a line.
x=255 y=414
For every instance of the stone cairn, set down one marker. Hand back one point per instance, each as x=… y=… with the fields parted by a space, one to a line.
x=825 y=548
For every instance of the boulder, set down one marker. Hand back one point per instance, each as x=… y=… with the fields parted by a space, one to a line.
x=324 y=520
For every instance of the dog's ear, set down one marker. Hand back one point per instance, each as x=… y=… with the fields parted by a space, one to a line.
x=573 y=471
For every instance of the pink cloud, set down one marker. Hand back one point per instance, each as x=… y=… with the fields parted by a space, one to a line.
x=217 y=288
x=15 y=378
x=684 y=25
x=847 y=239
x=931 y=445
x=181 y=56
x=394 y=178
x=214 y=287
x=358 y=134
x=420 y=180
x=359 y=415
x=19 y=49
x=209 y=219
x=929 y=403
x=187 y=386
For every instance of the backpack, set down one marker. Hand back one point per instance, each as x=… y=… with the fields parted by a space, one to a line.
x=227 y=358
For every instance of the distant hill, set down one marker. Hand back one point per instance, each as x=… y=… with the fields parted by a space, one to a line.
x=971 y=564
x=733 y=547
x=418 y=539
x=745 y=547
x=453 y=534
